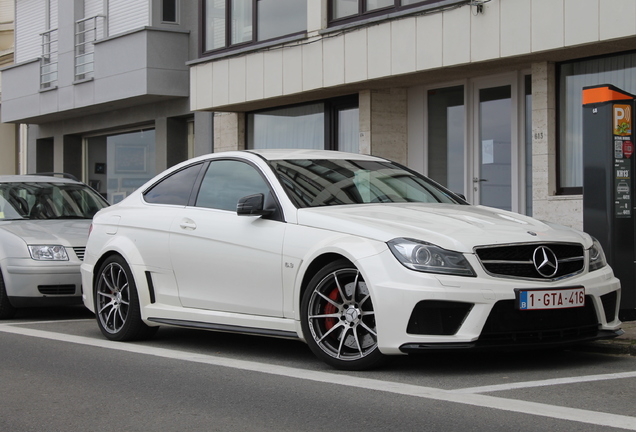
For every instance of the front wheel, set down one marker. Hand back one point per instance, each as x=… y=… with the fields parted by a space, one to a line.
x=117 y=303
x=338 y=319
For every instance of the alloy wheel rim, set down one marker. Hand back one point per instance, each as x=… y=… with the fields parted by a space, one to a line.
x=113 y=298
x=341 y=316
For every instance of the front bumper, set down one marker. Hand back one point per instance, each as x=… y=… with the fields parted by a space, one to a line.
x=33 y=283
x=420 y=311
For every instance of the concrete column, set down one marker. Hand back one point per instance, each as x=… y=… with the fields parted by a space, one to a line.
x=203 y=132
x=229 y=131
x=383 y=123
x=161 y=144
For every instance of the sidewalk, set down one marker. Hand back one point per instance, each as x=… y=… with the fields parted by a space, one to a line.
x=624 y=344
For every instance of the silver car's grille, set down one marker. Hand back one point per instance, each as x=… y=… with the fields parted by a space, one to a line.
x=539 y=261
x=79 y=251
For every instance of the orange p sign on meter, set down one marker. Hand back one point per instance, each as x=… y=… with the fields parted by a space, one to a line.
x=622 y=120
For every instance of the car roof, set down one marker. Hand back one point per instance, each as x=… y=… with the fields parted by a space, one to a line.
x=35 y=178
x=280 y=154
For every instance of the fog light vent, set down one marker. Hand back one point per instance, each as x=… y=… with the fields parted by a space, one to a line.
x=434 y=317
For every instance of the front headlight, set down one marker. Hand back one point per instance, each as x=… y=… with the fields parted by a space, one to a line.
x=596 y=256
x=48 y=253
x=426 y=257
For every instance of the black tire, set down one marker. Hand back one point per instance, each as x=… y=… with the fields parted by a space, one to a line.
x=7 y=310
x=338 y=319
x=117 y=304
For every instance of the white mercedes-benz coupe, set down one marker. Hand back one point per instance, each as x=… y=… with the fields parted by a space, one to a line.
x=356 y=255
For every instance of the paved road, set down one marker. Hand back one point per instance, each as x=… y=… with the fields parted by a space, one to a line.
x=59 y=374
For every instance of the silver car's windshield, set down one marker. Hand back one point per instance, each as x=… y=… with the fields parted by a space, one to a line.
x=50 y=200
x=313 y=183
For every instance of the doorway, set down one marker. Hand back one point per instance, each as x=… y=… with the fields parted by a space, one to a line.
x=475 y=140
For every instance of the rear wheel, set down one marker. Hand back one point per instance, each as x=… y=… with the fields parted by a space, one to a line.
x=338 y=318
x=6 y=308
x=117 y=303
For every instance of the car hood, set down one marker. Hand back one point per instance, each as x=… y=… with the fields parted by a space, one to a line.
x=64 y=232
x=450 y=226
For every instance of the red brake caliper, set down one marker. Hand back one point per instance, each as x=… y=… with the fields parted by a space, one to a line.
x=329 y=309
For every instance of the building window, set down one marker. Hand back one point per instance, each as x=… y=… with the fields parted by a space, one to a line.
x=619 y=71
x=348 y=10
x=330 y=125
x=229 y=23
x=169 y=11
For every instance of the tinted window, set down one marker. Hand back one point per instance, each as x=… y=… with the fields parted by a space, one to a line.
x=227 y=181
x=175 y=189
x=313 y=183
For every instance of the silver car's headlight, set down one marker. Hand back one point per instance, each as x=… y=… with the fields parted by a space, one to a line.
x=48 y=253
x=426 y=257
x=596 y=256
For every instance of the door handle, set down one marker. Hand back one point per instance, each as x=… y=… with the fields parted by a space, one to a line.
x=188 y=225
x=477 y=180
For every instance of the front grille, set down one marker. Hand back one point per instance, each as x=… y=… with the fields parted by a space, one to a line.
x=79 y=251
x=509 y=326
x=56 y=289
x=516 y=260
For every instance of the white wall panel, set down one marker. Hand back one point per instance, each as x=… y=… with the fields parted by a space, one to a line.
x=403 y=54
x=516 y=27
x=292 y=70
x=333 y=66
x=312 y=65
x=617 y=18
x=220 y=82
x=379 y=50
x=457 y=36
x=237 y=79
x=581 y=21
x=255 y=78
x=429 y=37
x=356 y=56
x=485 y=33
x=547 y=24
x=273 y=73
x=29 y=23
x=126 y=15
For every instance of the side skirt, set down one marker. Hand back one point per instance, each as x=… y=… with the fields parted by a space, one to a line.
x=225 y=328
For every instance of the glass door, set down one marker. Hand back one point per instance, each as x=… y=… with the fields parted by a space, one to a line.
x=495 y=179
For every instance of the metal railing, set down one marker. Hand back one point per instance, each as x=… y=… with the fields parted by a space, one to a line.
x=87 y=31
x=48 y=60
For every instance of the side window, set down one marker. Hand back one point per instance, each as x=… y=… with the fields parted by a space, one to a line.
x=175 y=189
x=226 y=181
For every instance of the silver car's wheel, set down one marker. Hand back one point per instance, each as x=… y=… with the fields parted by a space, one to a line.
x=6 y=308
x=117 y=304
x=338 y=318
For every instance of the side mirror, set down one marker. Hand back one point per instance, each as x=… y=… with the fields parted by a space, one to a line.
x=252 y=205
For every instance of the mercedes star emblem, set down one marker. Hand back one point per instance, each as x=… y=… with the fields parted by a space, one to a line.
x=545 y=261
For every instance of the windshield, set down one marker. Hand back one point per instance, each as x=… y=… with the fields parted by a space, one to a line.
x=48 y=201
x=313 y=183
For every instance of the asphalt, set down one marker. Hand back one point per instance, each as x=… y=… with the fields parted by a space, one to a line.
x=621 y=345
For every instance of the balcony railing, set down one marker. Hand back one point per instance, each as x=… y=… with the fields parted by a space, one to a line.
x=87 y=31
x=48 y=60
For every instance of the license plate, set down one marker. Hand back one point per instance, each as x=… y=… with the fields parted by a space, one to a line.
x=551 y=299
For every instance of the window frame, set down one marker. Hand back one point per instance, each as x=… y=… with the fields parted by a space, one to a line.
x=331 y=109
x=228 y=45
x=363 y=13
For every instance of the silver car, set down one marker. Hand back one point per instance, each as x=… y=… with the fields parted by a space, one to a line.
x=44 y=223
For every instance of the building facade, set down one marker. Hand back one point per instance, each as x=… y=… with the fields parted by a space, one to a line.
x=104 y=88
x=482 y=96
x=9 y=133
